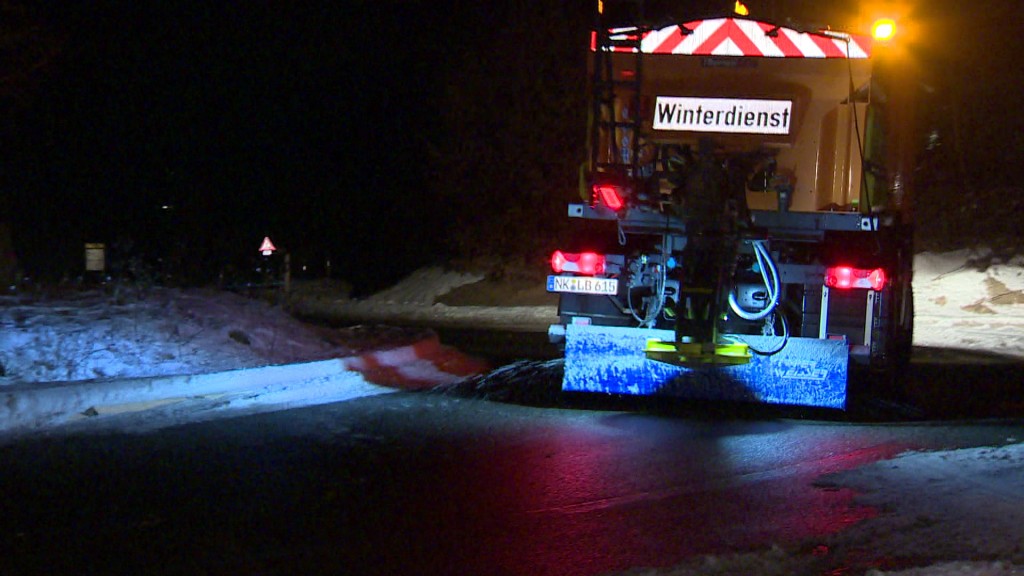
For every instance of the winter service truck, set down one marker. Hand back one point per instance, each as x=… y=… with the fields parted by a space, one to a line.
x=754 y=181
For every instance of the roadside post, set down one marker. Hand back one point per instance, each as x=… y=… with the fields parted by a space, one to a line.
x=95 y=260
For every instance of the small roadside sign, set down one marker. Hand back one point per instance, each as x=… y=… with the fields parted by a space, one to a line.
x=267 y=248
x=95 y=257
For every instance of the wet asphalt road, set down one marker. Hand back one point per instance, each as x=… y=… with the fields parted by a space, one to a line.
x=428 y=483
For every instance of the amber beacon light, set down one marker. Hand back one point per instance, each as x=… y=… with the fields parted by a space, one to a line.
x=883 y=29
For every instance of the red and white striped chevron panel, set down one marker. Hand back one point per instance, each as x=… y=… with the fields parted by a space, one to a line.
x=741 y=37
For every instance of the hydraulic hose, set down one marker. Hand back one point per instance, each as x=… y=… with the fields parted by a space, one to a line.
x=657 y=301
x=772 y=284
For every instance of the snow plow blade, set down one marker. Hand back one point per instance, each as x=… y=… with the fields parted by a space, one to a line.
x=614 y=360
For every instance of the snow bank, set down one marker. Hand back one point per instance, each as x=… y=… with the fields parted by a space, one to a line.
x=968 y=300
x=414 y=300
x=97 y=335
x=92 y=353
x=423 y=286
x=948 y=505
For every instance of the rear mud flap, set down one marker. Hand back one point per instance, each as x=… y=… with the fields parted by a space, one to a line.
x=609 y=359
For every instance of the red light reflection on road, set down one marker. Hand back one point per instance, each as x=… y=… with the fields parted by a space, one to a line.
x=593 y=501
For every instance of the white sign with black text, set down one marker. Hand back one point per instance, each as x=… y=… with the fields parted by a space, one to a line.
x=728 y=115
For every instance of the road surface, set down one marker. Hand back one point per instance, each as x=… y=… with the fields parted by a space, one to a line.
x=427 y=483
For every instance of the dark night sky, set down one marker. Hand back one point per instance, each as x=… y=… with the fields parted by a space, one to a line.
x=307 y=121
x=299 y=121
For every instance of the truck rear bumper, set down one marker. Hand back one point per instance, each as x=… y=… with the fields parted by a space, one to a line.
x=611 y=359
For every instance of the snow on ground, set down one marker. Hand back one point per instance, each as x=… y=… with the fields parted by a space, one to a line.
x=423 y=287
x=965 y=300
x=105 y=350
x=107 y=333
x=981 y=516
x=84 y=335
x=439 y=298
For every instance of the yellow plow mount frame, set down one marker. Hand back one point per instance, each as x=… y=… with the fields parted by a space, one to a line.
x=689 y=353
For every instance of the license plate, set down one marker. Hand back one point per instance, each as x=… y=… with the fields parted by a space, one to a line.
x=583 y=285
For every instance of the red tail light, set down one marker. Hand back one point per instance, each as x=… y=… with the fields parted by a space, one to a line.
x=845 y=277
x=609 y=195
x=558 y=261
x=587 y=263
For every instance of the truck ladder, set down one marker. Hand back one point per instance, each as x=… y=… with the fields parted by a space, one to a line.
x=604 y=117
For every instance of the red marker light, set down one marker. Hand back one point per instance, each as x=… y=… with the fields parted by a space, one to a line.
x=839 y=277
x=587 y=263
x=609 y=196
x=590 y=264
x=877 y=279
x=846 y=277
x=558 y=261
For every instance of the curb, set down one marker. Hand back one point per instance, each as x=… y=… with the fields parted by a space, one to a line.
x=417 y=366
x=25 y=407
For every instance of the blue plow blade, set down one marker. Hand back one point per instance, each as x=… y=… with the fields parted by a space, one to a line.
x=610 y=359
